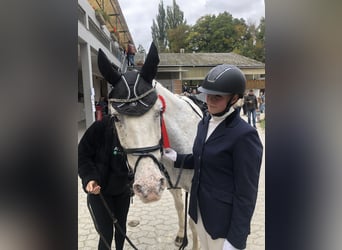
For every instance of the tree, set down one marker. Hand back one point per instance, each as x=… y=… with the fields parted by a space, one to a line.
x=177 y=38
x=247 y=46
x=223 y=33
x=168 y=32
x=198 y=39
x=175 y=17
x=216 y=34
x=260 y=41
x=159 y=29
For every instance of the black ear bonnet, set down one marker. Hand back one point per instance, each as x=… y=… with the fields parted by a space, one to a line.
x=132 y=95
x=133 y=92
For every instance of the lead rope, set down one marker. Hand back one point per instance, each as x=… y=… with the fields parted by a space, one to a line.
x=115 y=222
x=95 y=223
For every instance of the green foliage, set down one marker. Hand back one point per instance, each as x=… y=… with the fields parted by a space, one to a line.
x=212 y=34
x=221 y=33
x=200 y=35
x=170 y=22
x=177 y=38
x=260 y=41
x=174 y=17
x=159 y=28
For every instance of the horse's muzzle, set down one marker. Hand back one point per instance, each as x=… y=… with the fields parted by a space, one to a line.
x=149 y=191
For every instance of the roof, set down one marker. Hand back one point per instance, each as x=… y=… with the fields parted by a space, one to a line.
x=207 y=59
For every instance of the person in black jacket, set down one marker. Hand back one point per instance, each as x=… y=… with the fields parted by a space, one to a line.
x=251 y=106
x=226 y=157
x=102 y=168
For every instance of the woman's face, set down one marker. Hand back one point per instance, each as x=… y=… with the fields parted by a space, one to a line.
x=217 y=103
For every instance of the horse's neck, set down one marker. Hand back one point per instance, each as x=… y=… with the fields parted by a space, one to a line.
x=180 y=119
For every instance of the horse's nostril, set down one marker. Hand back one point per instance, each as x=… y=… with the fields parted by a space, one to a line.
x=138 y=188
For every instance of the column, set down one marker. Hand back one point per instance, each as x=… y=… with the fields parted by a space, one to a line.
x=88 y=89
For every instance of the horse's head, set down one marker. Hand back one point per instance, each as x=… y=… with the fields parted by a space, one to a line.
x=137 y=114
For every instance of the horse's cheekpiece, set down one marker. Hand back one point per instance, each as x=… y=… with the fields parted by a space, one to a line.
x=133 y=95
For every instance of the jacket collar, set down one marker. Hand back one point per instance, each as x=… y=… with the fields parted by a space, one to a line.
x=231 y=121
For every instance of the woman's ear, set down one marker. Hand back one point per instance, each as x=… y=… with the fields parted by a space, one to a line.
x=235 y=99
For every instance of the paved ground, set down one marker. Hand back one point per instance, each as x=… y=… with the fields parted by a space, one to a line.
x=158 y=221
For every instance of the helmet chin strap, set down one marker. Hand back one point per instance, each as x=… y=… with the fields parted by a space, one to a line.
x=226 y=109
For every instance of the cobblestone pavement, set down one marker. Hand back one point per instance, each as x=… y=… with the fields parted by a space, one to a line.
x=158 y=224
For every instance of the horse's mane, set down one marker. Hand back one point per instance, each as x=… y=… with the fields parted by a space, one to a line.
x=196 y=104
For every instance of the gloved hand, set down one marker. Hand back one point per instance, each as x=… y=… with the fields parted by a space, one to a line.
x=170 y=154
x=228 y=246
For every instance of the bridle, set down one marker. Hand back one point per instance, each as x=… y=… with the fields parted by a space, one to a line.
x=146 y=152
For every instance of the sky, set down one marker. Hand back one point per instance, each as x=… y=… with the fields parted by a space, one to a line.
x=139 y=14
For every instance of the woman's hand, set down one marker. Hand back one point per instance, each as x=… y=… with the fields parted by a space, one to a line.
x=170 y=154
x=93 y=188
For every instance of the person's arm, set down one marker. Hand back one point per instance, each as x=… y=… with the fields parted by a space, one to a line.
x=185 y=161
x=247 y=156
x=86 y=159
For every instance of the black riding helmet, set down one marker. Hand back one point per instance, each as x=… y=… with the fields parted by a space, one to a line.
x=224 y=79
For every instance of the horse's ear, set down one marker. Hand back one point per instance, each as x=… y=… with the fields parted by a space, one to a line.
x=149 y=69
x=106 y=68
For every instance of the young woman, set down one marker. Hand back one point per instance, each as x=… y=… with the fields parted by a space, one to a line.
x=226 y=157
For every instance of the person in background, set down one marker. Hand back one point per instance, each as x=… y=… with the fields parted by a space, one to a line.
x=226 y=158
x=104 y=105
x=262 y=102
x=102 y=169
x=244 y=107
x=130 y=53
x=251 y=105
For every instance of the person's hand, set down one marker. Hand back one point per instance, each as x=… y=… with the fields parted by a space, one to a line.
x=93 y=188
x=228 y=246
x=170 y=154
